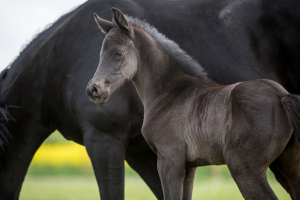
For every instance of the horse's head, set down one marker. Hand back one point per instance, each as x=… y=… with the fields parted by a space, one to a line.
x=118 y=58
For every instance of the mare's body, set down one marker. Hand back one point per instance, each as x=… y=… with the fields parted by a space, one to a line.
x=191 y=121
x=44 y=89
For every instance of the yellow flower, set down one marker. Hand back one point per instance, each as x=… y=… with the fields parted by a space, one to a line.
x=61 y=154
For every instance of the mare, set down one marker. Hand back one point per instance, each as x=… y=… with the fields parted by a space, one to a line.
x=191 y=121
x=44 y=88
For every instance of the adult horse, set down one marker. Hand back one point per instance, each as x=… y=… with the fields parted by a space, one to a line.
x=40 y=92
x=191 y=121
x=44 y=88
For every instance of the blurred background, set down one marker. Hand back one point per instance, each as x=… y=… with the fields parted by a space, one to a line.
x=20 y=21
x=61 y=169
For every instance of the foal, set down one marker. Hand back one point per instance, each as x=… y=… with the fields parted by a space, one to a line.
x=190 y=121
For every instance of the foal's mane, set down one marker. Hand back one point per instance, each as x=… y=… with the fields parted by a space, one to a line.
x=186 y=62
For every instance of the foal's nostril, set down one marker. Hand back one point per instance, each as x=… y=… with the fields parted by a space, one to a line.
x=94 y=92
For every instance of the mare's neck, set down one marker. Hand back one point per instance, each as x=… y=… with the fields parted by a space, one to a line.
x=158 y=73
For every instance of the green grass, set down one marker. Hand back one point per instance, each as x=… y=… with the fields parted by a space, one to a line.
x=66 y=170
x=216 y=189
x=85 y=188
x=72 y=183
x=56 y=137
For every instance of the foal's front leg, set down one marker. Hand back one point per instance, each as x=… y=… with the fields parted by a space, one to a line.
x=171 y=169
x=188 y=183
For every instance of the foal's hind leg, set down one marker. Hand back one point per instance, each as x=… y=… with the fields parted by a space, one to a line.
x=287 y=168
x=248 y=155
x=250 y=177
x=259 y=132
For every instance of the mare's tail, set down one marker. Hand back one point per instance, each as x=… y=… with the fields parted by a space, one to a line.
x=291 y=104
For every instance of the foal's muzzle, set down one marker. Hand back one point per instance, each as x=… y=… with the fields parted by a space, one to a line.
x=96 y=93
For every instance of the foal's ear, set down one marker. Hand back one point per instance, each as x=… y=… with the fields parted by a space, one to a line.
x=120 y=19
x=104 y=25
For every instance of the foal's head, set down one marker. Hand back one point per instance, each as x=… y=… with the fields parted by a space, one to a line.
x=118 y=58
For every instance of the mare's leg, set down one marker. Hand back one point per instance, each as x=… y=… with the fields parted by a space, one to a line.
x=107 y=155
x=15 y=160
x=144 y=161
x=188 y=183
x=287 y=168
x=171 y=169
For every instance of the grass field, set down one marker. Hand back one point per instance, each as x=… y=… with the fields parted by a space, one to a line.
x=85 y=188
x=61 y=170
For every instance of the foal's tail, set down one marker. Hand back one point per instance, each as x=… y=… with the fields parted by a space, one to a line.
x=291 y=104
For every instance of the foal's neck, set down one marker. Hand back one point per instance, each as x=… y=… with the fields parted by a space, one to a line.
x=159 y=74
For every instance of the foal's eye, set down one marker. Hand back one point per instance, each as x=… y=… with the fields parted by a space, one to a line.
x=119 y=53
